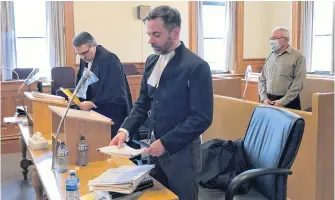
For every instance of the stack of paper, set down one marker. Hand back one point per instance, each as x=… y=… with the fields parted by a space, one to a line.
x=124 y=151
x=124 y=179
x=48 y=96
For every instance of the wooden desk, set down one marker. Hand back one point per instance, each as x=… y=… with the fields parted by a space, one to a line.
x=251 y=93
x=10 y=99
x=54 y=182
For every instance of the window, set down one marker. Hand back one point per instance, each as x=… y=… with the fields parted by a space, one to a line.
x=213 y=33
x=322 y=40
x=31 y=42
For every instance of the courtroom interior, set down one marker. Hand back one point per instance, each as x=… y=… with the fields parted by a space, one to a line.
x=247 y=86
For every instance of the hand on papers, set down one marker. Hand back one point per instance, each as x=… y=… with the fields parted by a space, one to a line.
x=155 y=149
x=119 y=139
x=87 y=105
x=125 y=151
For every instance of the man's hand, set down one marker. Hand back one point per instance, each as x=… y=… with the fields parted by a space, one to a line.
x=267 y=102
x=156 y=148
x=87 y=105
x=119 y=139
x=277 y=103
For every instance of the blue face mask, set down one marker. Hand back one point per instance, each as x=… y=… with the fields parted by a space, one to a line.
x=274 y=45
x=92 y=79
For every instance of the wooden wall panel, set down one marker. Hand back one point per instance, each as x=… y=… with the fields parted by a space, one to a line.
x=134 y=86
x=296 y=24
x=239 y=37
x=139 y=67
x=69 y=33
x=256 y=64
x=192 y=26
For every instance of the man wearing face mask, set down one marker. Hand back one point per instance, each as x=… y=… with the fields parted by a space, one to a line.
x=284 y=73
x=110 y=95
x=177 y=90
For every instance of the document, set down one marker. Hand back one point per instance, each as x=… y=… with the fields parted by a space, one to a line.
x=48 y=96
x=124 y=151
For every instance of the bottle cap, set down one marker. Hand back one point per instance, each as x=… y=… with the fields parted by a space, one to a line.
x=82 y=137
x=72 y=172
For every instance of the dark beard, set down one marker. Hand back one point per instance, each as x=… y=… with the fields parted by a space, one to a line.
x=165 y=48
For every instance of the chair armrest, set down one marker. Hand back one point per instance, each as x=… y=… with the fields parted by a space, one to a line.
x=247 y=175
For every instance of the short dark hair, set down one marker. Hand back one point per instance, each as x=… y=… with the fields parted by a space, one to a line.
x=170 y=16
x=83 y=38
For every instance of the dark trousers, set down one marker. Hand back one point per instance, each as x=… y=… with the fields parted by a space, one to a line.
x=179 y=172
x=294 y=104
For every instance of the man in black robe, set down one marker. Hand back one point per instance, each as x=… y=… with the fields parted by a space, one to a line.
x=177 y=96
x=110 y=95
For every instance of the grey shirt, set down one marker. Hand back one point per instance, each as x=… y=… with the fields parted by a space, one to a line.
x=283 y=75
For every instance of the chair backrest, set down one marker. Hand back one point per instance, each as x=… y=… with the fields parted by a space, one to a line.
x=62 y=77
x=22 y=72
x=272 y=141
x=130 y=69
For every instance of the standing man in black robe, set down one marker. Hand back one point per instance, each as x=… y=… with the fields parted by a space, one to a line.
x=176 y=91
x=110 y=95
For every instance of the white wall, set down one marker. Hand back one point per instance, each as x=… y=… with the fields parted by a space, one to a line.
x=260 y=17
x=115 y=26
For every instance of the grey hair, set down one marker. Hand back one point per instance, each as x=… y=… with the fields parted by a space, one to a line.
x=284 y=31
x=83 y=38
x=170 y=16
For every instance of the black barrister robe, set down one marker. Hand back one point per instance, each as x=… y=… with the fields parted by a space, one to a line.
x=111 y=94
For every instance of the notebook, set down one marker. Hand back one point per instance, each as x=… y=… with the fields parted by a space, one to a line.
x=124 y=179
x=69 y=95
x=145 y=184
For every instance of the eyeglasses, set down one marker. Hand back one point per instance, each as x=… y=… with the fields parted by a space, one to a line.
x=84 y=53
x=276 y=38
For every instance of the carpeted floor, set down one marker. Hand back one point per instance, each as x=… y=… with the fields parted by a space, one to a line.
x=12 y=185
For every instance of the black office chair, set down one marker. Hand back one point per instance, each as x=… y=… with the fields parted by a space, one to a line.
x=23 y=74
x=62 y=77
x=270 y=147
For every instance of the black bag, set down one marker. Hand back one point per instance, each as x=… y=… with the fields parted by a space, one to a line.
x=222 y=162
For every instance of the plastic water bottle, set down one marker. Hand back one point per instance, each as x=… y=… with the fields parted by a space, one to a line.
x=63 y=158
x=72 y=186
x=82 y=152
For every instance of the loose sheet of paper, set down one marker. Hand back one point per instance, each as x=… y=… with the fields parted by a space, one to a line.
x=124 y=151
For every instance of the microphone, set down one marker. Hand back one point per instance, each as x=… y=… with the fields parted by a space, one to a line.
x=22 y=99
x=82 y=80
x=17 y=75
x=246 y=77
x=27 y=81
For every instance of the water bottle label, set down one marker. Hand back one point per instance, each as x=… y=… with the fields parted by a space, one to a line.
x=83 y=148
x=63 y=154
x=71 y=187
